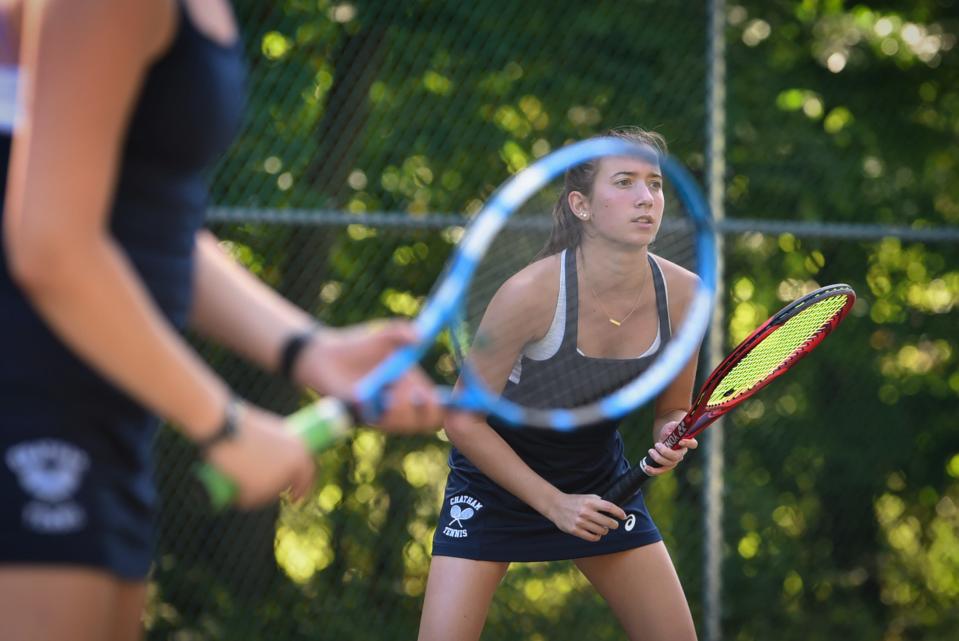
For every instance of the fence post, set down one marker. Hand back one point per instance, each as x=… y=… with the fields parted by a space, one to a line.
x=715 y=184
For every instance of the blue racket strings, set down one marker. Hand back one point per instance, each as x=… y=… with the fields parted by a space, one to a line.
x=502 y=239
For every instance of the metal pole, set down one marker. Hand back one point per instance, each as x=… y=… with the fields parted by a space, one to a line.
x=715 y=184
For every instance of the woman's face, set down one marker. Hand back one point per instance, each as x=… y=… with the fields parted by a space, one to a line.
x=627 y=202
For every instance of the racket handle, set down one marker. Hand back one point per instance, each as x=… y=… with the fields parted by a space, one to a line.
x=626 y=486
x=319 y=424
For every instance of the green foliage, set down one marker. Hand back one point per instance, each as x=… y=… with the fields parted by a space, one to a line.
x=842 y=480
x=847 y=121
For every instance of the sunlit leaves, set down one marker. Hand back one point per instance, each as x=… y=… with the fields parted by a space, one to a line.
x=544 y=591
x=425 y=466
x=303 y=553
x=801 y=99
x=342 y=12
x=406 y=255
x=755 y=32
x=790 y=519
x=921 y=566
x=843 y=35
x=748 y=545
x=953 y=467
x=275 y=45
x=329 y=497
x=401 y=303
x=499 y=82
x=746 y=317
x=837 y=119
x=910 y=277
x=516 y=159
x=437 y=83
x=837 y=113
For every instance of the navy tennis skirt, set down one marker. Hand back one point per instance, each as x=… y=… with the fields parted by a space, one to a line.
x=482 y=521
x=76 y=490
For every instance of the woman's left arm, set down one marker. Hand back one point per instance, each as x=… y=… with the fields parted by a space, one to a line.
x=235 y=309
x=674 y=401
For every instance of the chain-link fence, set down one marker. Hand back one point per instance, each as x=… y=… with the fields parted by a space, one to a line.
x=367 y=120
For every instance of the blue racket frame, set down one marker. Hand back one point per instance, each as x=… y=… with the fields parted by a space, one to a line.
x=441 y=308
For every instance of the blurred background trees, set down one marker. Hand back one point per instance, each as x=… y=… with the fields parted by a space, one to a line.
x=842 y=480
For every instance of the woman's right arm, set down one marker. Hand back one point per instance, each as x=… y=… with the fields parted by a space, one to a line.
x=84 y=63
x=582 y=515
x=10 y=13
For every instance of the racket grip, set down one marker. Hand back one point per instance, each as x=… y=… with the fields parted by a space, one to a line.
x=626 y=486
x=319 y=424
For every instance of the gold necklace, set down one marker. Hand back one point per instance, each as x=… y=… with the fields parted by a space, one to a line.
x=592 y=291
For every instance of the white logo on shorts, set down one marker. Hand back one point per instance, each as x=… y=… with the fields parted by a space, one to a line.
x=50 y=471
x=630 y=522
x=458 y=514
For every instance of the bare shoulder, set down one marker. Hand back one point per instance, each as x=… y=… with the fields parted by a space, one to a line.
x=681 y=285
x=143 y=28
x=532 y=292
x=535 y=284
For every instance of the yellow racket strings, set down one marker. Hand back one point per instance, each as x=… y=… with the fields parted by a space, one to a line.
x=775 y=350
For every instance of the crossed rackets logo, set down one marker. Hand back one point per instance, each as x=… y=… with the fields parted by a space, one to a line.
x=459 y=515
x=462 y=508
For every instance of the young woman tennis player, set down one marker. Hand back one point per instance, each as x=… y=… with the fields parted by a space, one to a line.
x=601 y=305
x=123 y=105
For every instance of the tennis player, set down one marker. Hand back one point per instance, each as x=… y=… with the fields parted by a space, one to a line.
x=602 y=307
x=122 y=107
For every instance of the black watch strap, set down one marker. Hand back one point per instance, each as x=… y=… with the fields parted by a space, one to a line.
x=292 y=349
x=227 y=430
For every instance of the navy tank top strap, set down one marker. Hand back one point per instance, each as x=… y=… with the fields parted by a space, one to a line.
x=662 y=304
x=571 y=330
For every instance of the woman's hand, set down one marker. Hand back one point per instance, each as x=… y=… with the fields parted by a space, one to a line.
x=585 y=515
x=336 y=359
x=665 y=458
x=264 y=459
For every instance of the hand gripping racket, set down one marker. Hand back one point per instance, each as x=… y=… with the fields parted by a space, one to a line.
x=500 y=240
x=319 y=424
x=767 y=353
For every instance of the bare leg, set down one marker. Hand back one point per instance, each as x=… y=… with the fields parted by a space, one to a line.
x=128 y=612
x=643 y=590
x=458 y=596
x=38 y=603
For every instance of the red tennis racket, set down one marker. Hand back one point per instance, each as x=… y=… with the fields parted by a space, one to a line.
x=767 y=353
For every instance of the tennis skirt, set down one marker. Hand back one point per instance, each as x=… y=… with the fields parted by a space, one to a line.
x=76 y=490
x=482 y=521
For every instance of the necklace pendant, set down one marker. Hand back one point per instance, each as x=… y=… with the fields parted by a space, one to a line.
x=615 y=322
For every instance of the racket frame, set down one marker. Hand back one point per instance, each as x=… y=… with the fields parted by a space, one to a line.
x=440 y=310
x=701 y=416
x=330 y=419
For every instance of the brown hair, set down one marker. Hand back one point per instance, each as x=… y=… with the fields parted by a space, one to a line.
x=567 y=229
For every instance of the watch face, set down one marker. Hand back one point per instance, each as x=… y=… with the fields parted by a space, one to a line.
x=228 y=429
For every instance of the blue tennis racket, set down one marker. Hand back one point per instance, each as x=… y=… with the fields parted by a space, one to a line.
x=501 y=248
